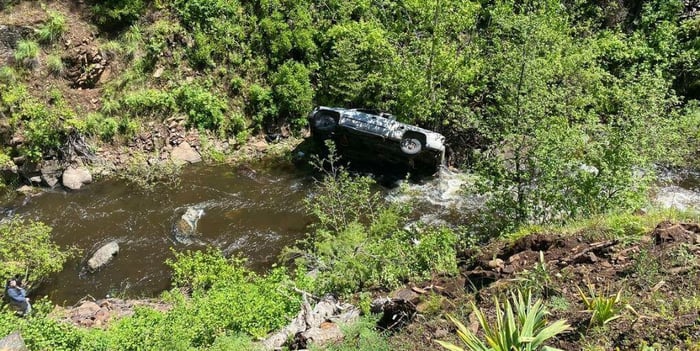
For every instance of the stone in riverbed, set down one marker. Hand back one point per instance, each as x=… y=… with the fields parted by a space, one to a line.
x=186 y=227
x=102 y=256
x=184 y=153
x=74 y=178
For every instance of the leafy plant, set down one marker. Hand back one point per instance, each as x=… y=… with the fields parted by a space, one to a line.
x=538 y=279
x=603 y=309
x=521 y=325
x=26 y=249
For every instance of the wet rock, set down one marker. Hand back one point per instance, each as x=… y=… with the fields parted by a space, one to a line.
x=186 y=227
x=75 y=177
x=13 y=342
x=184 y=153
x=102 y=256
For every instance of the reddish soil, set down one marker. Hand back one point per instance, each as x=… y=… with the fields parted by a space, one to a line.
x=657 y=275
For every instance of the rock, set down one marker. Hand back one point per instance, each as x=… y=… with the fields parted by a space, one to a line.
x=406 y=295
x=184 y=153
x=496 y=263
x=74 y=178
x=87 y=309
x=186 y=227
x=158 y=72
x=50 y=172
x=102 y=256
x=13 y=342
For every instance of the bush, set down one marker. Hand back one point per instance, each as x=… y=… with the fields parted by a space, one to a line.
x=7 y=75
x=26 y=249
x=359 y=240
x=117 y=14
x=204 y=109
x=293 y=92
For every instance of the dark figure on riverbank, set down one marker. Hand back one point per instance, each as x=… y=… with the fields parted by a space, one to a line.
x=18 y=297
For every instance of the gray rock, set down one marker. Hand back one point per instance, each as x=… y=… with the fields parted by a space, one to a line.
x=13 y=342
x=186 y=227
x=74 y=178
x=51 y=171
x=102 y=256
x=184 y=153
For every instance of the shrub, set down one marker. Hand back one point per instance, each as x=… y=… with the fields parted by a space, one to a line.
x=359 y=240
x=26 y=54
x=117 y=14
x=52 y=29
x=104 y=127
x=204 y=109
x=521 y=325
x=26 y=249
x=261 y=105
x=41 y=331
x=7 y=75
x=293 y=92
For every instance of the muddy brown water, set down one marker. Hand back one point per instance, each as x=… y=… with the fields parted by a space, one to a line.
x=250 y=213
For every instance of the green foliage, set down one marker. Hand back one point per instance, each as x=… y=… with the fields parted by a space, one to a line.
x=520 y=325
x=293 y=92
x=147 y=174
x=26 y=249
x=603 y=309
x=230 y=297
x=7 y=75
x=204 y=110
x=261 y=105
x=26 y=54
x=117 y=14
x=55 y=65
x=52 y=30
x=106 y=128
x=360 y=336
x=39 y=331
x=359 y=240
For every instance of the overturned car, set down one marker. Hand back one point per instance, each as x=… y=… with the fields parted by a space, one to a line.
x=375 y=137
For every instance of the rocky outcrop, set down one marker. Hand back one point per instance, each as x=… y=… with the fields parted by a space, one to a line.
x=186 y=227
x=184 y=153
x=98 y=313
x=9 y=37
x=75 y=177
x=84 y=66
x=102 y=256
x=13 y=342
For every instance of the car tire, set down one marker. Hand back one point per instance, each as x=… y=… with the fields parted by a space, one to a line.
x=324 y=122
x=411 y=145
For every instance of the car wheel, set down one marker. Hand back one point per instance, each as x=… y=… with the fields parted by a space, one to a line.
x=324 y=122
x=411 y=145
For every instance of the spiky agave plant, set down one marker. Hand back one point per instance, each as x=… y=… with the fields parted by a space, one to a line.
x=520 y=325
x=604 y=309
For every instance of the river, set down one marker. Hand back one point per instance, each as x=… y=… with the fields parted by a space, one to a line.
x=251 y=213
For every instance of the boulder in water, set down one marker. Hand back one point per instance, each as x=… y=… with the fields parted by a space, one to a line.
x=75 y=178
x=186 y=227
x=102 y=256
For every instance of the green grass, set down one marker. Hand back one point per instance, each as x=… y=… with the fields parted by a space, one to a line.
x=55 y=65
x=26 y=54
x=52 y=29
